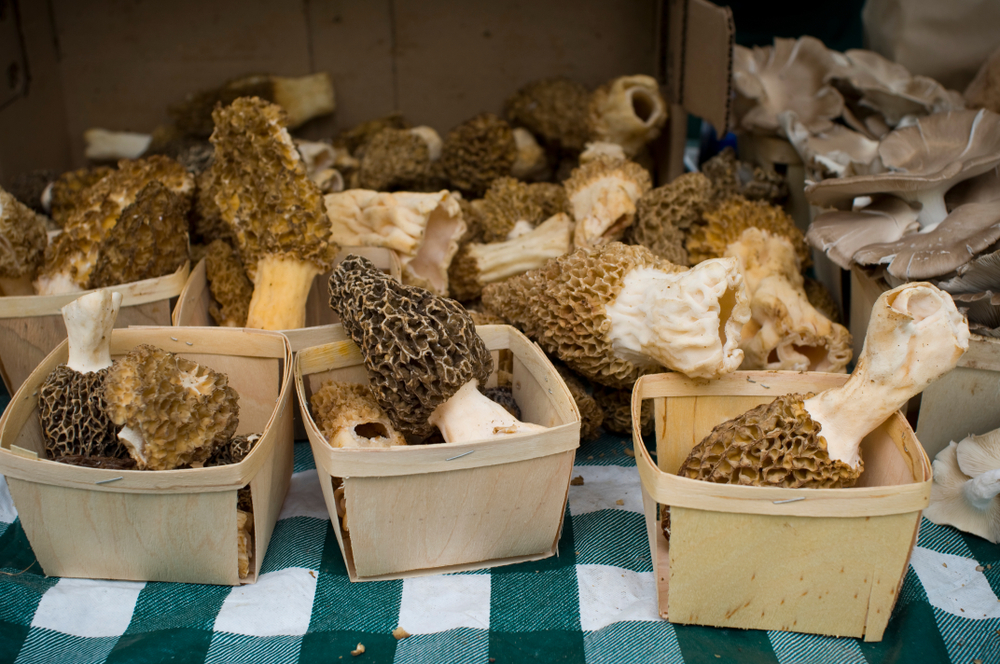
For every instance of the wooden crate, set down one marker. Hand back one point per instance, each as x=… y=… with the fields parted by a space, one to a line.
x=819 y=561
x=433 y=509
x=176 y=525
x=961 y=402
x=32 y=325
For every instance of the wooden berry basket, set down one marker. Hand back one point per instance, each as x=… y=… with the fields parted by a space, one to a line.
x=171 y=525
x=32 y=325
x=961 y=402
x=818 y=561
x=321 y=321
x=432 y=509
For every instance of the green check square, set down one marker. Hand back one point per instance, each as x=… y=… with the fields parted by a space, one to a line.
x=179 y=645
x=612 y=537
x=298 y=541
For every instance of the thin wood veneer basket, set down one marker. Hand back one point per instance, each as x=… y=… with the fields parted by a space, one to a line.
x=32 y=325
x=164 y=525
x=819 y=561
x=430 y=509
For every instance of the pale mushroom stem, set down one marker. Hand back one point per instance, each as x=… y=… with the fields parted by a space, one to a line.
x=89 y=320
x=982 y=489
x=915 y=335
x=281 y=288
x=933 y=209
x=470 y=415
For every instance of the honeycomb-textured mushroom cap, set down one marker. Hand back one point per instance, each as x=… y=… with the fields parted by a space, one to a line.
x=395 y=159
x=66 y=195
x=348 y=416
x=551 y=305
x=150 y=239
x=233 y=451
x=602 y=194
x=617 y=407
x=725 y=223
x=357 y=137
x=554 y=109
x=227 y=280
x=663 y=214
x=180 y=409
x=419 y=348
x=731 y=177
x=22 y=238
x=477 y=152
x=508 y=201
x=73 y=415
x=774 y=444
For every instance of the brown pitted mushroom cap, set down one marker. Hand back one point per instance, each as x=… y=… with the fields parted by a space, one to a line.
x=477 y=152
x=506 y=202
x=395 y=159
x=617 y=407
x=774 y=444
x=603 y=195
x=888 y=87
x=984 y=90
x=731 y=177
x=968 y=230
x=233 y=451
x=503 y=395
x=180 y=410
x=356 y=138
x=150 y=239
x=554 y=109
x=348 y=416
x=419 y=348
x=820 y=298
x=662 y=215
x=73 y=415
x=725 y=223
x=67 y=191
x=788 y=76
x=228 y=282
x=924 y=161
x=591 y=413
x=22 y=238
x=561 y=306
x=842 y=233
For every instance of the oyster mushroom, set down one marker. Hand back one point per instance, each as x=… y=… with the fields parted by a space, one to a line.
x=174 y=412
x=789 y=76
x=984 y=90
x=915 y=335
x=842 y=233
x=423 y=229
x=260 y=186
x=615 y=312
x=22 y=245
x=966 y=489
x=348 y=416
x=71 y=405
x=602 y=195
x=423 y=356
x=834 y=152
x=628 y=111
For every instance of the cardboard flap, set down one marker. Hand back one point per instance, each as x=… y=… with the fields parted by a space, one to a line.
x=700 y=59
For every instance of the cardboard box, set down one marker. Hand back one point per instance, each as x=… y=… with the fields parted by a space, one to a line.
x=819 y=561
x=961 y=402
x=32 y=325
x=439 y=63
x=170 y=525
x=429 y=509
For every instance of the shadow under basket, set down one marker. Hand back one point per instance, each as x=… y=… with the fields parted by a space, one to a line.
x=817 y=561
x=158 y=525
x=32 y=325
x=431 y=509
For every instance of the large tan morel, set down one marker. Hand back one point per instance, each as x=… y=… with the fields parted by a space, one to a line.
x=74 y=417
x=663 y=214
x=419 y=349
x=227 y=280
x=183 y=410
x=561 y=305
x=775 y=444
x=726 y=222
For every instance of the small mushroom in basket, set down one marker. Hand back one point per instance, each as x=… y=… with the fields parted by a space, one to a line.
x=175 y=411
x=71 y=405
x=915 y=335
x=349 y=416
x=423 y=356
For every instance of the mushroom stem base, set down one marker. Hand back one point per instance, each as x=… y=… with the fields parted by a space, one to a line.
x=470 y=415
x=280 y=292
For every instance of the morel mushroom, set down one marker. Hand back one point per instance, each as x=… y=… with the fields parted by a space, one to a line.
x=554 y=109
x=615 y=312
x=915 y=335
x=22 y=245
x=175 y=412
x=628 y=111
x=71 y=405
x=477 y=152
x=603 y=195
x=348 y=416
x=423 y=356
x=261 y=188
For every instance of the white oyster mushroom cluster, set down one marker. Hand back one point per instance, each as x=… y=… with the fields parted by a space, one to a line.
x=966 y=489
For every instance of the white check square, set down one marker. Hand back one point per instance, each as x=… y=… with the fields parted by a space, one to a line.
x=438 y=603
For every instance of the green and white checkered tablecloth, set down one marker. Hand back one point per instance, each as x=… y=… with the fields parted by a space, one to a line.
x=593 y=603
